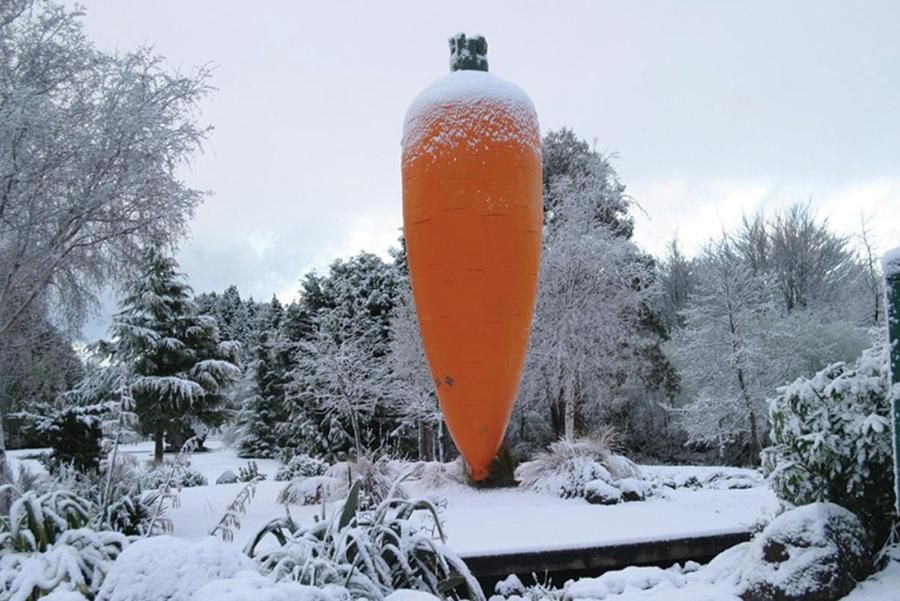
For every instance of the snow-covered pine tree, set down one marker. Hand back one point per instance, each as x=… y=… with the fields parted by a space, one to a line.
x=182 y=370
x=263 y=415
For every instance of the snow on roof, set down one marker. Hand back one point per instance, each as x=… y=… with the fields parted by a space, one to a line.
x=466 y=101
x=891 y=263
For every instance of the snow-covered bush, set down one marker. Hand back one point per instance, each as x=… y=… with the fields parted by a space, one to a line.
x=433 y=475
x=569 y=465
x=832 y=440
x=163 y=568
x=181 y=477
x=370 y=552
x=378 y=478
x=46 y=545
x=301 y=466
x=250 y=473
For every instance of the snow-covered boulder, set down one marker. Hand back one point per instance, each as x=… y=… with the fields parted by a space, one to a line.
x=252 y=586
x=227 y=477
x=816 y=552
x=632 y=489
x=164 y=568
x=599 y=492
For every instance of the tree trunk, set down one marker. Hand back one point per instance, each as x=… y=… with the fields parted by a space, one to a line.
x=755 y=447
x=6 y=475
x=570 y=417
x=158 y=445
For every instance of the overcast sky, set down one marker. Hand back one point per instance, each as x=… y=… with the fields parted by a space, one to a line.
x=712 y=109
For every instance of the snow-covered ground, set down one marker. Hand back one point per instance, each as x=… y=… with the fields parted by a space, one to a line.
x=481 y=522
x=497 y=521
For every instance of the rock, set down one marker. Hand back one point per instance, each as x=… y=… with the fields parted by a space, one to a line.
x=164 y=568
x=227 y=477
x=598 y=492
x=632 y=489
x=815 y=552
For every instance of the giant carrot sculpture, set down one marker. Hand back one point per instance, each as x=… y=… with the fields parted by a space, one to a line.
x=472 y=214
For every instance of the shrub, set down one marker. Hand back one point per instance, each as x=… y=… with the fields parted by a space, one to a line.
x=301 y=466
x=567 y=466
x=371 y=553
x=250 y=473
x=46 y=545
x=832 y=440
x=181 y=477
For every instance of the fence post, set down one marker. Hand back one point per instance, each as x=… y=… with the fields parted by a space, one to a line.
x=891 y=264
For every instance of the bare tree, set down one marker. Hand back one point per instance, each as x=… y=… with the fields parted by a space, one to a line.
x=871 y=270
x=90 y=148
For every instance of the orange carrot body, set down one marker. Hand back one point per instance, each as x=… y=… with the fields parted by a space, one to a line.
x=472 y=213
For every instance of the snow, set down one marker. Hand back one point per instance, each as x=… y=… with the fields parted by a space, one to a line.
x=250 y=585
x=445 y=112
x=496 y=521
x=164 y=568
x=891 y=263
x=883 y=585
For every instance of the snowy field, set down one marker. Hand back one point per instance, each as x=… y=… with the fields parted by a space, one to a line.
x=704 y=500
x=484 y=522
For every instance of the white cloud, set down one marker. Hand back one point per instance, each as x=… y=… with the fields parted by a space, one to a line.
x=697 y=210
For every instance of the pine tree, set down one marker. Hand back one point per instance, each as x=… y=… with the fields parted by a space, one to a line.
x=263 y=416
x=181 y=370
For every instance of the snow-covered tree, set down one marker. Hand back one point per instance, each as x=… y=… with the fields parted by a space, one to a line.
x=37 y=363
x=342 y=379
x=263 y=414
x=181 y=368
x=587 y=321
x=721 y=350
x=677 y=281
x=411 y=390
x=91 y=145
x=568 y=158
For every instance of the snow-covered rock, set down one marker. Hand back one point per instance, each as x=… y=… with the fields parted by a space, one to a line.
x=598 y=492
x=227 y=477
x=632 y=489
x=164 y=568
x=252 y=586
x=812 y=553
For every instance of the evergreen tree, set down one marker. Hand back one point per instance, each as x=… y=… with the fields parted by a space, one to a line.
x=181 y=370
x=263 y=415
